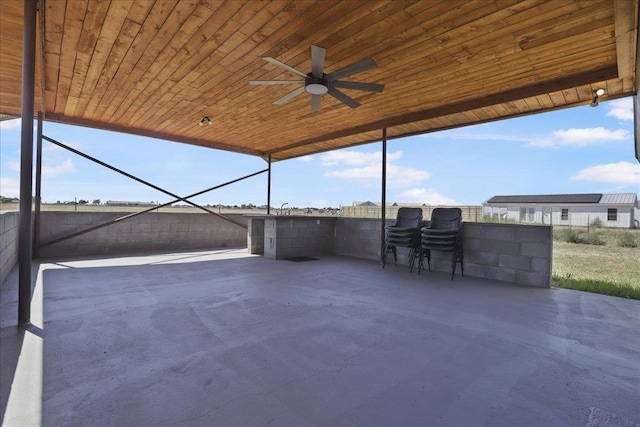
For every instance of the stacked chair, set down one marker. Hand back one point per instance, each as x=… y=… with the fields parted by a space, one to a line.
x=444 y=233
x=404 y=233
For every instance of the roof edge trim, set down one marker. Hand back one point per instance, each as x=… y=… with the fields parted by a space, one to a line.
x=147 y=133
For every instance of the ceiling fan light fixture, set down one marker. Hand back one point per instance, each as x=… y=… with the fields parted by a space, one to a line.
x=316 y=89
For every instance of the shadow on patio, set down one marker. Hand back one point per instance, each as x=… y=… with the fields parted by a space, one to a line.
x=226 y=338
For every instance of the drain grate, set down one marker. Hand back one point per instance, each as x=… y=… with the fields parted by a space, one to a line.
x=301 y=259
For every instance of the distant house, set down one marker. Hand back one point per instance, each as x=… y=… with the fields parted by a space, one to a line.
x=614 y=210
x=367 y=203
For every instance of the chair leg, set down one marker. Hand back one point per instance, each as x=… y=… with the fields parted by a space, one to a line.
x=457 y=257
x=413 y=254
x=410 y=260
x=384 y=255
x=454 y=261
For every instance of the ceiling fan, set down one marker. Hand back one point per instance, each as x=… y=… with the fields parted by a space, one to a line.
x=317 y=83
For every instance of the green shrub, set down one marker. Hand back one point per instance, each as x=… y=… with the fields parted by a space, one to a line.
x=627 y=240
x=571 y=235
x=597 y=223
x=498 y=219
x=592 y=239
x=489 y=218
x=568 y=235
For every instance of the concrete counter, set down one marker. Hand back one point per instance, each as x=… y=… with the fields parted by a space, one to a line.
x=285 y=236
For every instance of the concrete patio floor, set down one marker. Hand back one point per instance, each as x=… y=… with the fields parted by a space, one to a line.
x=222 y=338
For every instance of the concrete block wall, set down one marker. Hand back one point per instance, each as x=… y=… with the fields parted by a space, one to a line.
x=299 y=236
x=149 y=232
x=255 y=236
x=357 y=237
x=8 y=243
x=507 y=252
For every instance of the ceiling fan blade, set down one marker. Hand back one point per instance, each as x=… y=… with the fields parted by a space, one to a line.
x=369 y=87
x=288 y=96
x=315 y=102
x=276 y=82
x=358 y=67
x=343 y=98
x=285 y=66
x=318 y=55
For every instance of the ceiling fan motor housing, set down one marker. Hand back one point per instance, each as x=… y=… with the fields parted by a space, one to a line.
x=315 y=85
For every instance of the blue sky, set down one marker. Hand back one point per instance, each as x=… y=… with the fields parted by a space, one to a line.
x=577 y=150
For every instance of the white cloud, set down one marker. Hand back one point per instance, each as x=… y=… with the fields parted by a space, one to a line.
x=48 y=147
x=322 y=203
x=14 y=166
x=589 y=136
x=542 y=142
x=428 y=196
x=475 y=133
x=369 y=168
x=576 y=137
x=367 y=172
x=618 y=173
x=9 y=187
x=10 y=124
x=580 y=137
x=397 y=176
x=355 y=158
x=306 y=159
x=61 y=169
x=621 y=109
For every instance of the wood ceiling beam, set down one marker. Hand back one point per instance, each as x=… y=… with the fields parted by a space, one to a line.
x=459 y=107
x=61 y=118
x=626 y=25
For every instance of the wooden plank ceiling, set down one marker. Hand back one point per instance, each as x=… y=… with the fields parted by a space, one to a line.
x=157 y=67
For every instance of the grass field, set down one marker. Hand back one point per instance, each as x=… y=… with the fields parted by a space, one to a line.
x=607 y=269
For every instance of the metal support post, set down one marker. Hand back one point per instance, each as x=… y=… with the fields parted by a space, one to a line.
x=26 y=162
x=269 y=187
x=384 y=192
x=38 y=198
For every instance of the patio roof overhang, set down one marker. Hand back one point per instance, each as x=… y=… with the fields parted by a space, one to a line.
x=157 y=68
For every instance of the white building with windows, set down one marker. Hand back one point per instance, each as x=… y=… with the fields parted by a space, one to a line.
x=613 y=210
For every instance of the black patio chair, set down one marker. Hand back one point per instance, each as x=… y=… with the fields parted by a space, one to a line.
x=405 y=232
x=444 y=233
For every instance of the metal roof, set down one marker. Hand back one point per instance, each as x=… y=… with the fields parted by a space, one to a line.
x=548 y=198
x=589 y=198
x=619 y=199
